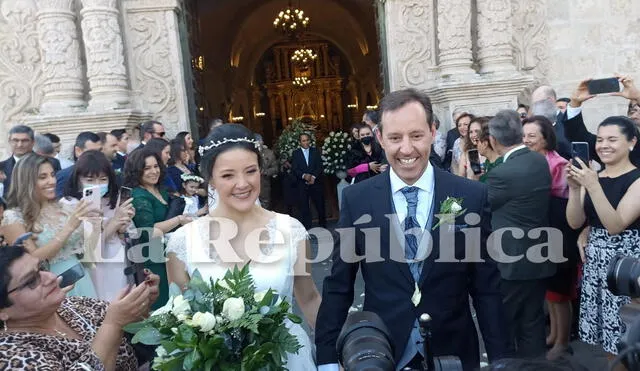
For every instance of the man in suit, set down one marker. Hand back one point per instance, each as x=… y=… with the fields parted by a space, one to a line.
x=85 y=141
x=21 y=141
x=544 y=104
x=306 y=165
x=122 y=137
x=149 y=130
x=403 y=279
x=42 y=145
x=519 y=196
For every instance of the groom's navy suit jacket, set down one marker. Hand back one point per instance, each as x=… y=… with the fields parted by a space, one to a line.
x=389 y=285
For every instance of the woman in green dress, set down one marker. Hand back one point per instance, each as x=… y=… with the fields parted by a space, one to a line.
x=480 y=128
x=144 y=173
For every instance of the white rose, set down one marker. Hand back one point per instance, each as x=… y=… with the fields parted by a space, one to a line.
x=206 y=321
x=258 y=296
x=161 y=352
x=165 y=309
x=455 y=208
x=180 y=308
x=233 y=308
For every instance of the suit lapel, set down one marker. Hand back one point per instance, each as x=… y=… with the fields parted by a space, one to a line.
x=440 y=191
x=395 y=230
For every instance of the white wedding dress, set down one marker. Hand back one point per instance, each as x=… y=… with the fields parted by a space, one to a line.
x=191 y=245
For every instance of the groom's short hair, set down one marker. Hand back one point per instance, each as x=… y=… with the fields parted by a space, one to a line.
x=400 y=98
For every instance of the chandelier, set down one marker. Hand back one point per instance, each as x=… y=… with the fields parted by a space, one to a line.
x=291 y=21
x=301 y=81
x=303 y=57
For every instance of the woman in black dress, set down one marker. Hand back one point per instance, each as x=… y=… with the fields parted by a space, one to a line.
x=366 y=157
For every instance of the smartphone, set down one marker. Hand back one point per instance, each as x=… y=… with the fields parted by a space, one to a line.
x=474 y=161
x=92 y=197
x=23 y=237
x=602 y=86
x=123 y=195
x=71 y=275
x=135 y=274
x=581 y=151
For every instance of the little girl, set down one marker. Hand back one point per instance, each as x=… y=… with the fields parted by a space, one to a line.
x=190 y=185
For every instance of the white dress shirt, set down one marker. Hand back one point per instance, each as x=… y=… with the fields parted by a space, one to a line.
x=426 y=184
x=506 y=155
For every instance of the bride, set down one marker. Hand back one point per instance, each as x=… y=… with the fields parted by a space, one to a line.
x=239 y=232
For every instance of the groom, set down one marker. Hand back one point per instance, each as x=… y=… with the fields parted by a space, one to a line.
x=414 y=189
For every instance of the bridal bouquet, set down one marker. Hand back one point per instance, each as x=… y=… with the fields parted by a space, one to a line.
x=222 y=325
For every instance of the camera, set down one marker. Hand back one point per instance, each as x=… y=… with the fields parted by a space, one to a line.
x=364 y=343
x=623 y=277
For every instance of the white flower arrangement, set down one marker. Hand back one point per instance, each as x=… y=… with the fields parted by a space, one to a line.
x=289 y=139
x=334 y=149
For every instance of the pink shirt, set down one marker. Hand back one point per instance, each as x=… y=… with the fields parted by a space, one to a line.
x=559 y=186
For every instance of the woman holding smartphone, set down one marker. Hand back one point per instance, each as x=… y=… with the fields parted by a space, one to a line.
x=94 y=171
x=33 y=207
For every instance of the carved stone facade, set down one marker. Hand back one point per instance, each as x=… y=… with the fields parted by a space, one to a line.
x=72 y=65
x=67 y=66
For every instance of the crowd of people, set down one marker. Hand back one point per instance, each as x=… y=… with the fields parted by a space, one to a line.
x=516 y=170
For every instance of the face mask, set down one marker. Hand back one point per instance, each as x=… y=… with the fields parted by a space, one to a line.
x=104 y=188
x=366 y=140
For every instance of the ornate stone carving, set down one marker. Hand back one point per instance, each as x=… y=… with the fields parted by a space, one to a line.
x=454 y=36
x=530 y=37
x=494 y=35
x=105 y=55
x=20 y=57
x=410 y=42
x=61 y=64
x=151 y=59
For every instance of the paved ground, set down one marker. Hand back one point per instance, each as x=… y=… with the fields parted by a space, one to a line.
x=591 y=357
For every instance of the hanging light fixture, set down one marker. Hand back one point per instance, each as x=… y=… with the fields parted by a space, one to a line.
x=291 y=21
x=301 y=81
x=303 y=57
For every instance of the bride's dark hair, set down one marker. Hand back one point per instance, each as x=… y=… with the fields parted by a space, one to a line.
x=222 y=139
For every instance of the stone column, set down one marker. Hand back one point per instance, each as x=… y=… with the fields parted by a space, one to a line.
x=105 y=55
x=454 y=37
x=494 y=36
x=61 y=65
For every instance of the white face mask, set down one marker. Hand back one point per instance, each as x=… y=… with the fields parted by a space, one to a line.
x=104 y=188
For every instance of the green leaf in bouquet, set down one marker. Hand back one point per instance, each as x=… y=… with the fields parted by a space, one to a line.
x=133 y=328
x=212 y=347
x=174 y=364
x=147 y=336
x=174 y=290
x=294 y=318
x=192 y=361
x=169 y=346
x=186 y=336
x=208 y=365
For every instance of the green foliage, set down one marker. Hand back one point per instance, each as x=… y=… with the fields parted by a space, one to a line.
x=289 y=139
x=256 y=339
x=334 y=149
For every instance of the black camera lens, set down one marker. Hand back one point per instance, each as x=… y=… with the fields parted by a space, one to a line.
x=622 y=276
x=364 y=343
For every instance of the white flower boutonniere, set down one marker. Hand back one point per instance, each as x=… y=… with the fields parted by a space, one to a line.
x=417 y=295
x=450 y=209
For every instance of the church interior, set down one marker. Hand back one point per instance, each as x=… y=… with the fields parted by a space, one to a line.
x=251 y=66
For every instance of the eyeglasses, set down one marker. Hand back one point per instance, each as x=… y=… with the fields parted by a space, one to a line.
x=35 y=280
x=523 y=115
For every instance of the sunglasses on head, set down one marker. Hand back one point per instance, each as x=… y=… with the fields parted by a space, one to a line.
x=34 y=280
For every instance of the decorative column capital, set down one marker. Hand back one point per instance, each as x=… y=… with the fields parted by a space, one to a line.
x=68 y=5
x=110 y=4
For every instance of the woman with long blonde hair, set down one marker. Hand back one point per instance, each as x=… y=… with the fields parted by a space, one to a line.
x=33 y=207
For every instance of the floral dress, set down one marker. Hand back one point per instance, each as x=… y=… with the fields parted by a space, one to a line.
x=52 y=219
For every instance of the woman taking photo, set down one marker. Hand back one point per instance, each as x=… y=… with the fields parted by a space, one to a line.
x=42 y=330
x=231 y=162
x=187 y=141
x=365 y=158
x=480 y=127
x=609 y=203
x=94 y=170
x=33 y=207
x=143 y=171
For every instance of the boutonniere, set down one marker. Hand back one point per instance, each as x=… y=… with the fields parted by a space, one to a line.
x=417 y=295
x=450 y=209
x=118 y=172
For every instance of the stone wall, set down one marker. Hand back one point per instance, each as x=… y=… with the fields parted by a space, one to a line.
x=73 y=65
